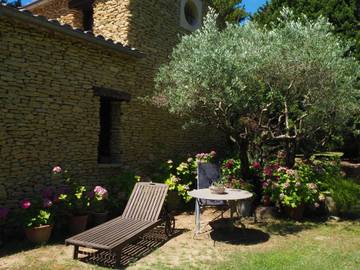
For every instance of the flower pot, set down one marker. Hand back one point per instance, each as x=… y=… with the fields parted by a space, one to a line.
x=39 y=235
x=78 y=224
x=217 y=189
x=295 y=213
x=244 y=207
x=99 y=218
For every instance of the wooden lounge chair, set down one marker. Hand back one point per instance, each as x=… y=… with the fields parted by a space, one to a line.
x=143 y=212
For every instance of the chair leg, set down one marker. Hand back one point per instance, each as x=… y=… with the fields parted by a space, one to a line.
x=117 y=255
x=76 y=252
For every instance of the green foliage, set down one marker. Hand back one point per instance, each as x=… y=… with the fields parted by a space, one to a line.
x=229 y=10
x=120 y=188
x=43 y=217
x=274 y=86
x=181 y=177
x=292 y=188
x=344 y=15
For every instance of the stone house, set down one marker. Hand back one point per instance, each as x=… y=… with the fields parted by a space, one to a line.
x=70 y=82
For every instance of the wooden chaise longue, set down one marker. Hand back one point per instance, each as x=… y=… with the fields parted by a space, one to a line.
x=143 y=212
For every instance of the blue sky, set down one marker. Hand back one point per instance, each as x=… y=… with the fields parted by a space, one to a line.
x=250 y=5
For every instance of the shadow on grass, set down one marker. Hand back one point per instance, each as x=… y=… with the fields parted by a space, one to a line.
x=239 y=236
x=132 y=252
x=284 y=226
x=20 y=244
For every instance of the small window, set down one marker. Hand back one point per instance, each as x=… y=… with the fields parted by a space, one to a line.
x=104 y=148
x=88 y=18
x=190 y=14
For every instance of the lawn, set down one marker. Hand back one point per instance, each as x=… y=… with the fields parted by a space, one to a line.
x=277 y=244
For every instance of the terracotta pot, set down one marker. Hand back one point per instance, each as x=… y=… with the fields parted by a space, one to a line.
x=296 y=213
x=39 y=235
x=78 y=224
x=99 y=218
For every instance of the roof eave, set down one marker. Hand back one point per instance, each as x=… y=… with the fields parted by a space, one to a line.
x=26 y=17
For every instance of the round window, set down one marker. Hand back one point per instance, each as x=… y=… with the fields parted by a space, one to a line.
x=191 y=13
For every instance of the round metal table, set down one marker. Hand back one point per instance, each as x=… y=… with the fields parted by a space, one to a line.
x=206 y=194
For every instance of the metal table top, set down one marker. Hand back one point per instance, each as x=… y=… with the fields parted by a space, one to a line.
x=229 y=195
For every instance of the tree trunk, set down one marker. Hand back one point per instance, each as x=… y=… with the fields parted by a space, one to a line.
x=290 y=149
x=244 y=158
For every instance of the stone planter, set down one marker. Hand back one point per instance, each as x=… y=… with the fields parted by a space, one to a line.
x=217 y=189
x=39 y=235
x=99 y=218
x=296 y=213
x=78 y=224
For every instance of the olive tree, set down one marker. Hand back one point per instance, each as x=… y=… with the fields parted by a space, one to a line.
x=282 y=85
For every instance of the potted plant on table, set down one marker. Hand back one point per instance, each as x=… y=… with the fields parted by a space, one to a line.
x=98 y=198
x=37 y=219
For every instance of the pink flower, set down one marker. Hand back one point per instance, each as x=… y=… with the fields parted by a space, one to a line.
x=56 y=170
x=229 y=164
x=100 y=191
x=312 y=186
x=25 y=204
x=316 y=205
x=265 y=184
x=47 y=203
x=256 y=165
x=213 y=153
x=4 y=212
x=286 y=184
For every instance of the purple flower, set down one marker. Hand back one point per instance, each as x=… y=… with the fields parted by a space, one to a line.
x=47 y=192
x=25 y=204
x=47 y=203
x=4 y=212
x=101 y=192
x=56 y=170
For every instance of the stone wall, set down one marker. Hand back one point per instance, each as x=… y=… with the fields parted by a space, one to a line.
x=58 y=9
x=49 y=115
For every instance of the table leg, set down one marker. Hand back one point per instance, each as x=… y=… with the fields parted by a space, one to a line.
x=197 y=216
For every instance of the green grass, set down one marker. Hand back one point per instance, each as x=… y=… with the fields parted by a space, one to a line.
x=291 y=246
x=323 y=247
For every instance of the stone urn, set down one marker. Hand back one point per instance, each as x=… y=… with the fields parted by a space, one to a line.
x=39 y=235
x=99 y=218
x=78 y=224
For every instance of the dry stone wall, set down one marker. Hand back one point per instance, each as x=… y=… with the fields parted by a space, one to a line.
x=49 y=115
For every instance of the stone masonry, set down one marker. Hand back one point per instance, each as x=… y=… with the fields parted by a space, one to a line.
x=49 y=114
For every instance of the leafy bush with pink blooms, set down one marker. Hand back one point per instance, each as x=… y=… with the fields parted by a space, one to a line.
x=291 y=187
